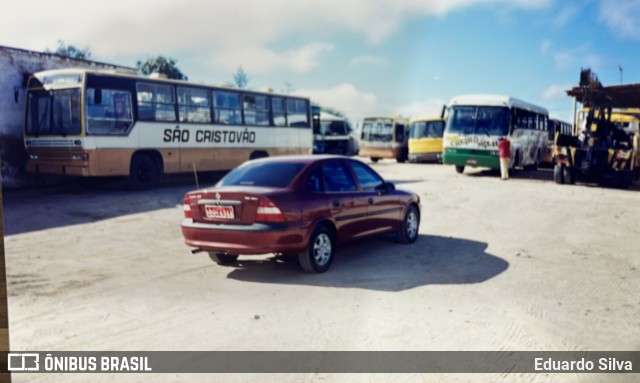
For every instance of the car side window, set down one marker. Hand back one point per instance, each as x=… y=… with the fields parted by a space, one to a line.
x=367 y=178
x=314 y=183
x=337 y=178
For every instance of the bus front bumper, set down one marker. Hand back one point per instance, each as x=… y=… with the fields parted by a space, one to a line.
x=79 y=169
x=425 y=157
x=472 y=158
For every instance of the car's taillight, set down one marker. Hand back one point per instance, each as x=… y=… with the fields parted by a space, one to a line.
x=268 y=211
x=186 y=208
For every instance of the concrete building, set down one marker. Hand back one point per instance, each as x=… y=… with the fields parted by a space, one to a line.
x=16 y=65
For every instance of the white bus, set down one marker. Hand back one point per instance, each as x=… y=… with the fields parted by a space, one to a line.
x=103 y=123
x=476 y=122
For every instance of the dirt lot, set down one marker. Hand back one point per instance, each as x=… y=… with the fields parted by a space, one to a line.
x=518 y=265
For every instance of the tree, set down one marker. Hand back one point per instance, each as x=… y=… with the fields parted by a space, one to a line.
x=240 y=78
x=162 y=65
x=70 y=51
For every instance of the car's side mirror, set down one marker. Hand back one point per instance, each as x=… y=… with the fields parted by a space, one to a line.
x=386 y=187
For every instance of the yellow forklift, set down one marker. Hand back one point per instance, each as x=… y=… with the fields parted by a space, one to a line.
x=600 y=150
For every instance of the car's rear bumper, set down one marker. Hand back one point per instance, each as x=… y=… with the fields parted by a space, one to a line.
x=258 y=238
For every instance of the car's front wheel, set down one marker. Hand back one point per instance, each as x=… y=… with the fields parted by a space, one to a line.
x=408 y=233
x=319 y=254
x=223 y=258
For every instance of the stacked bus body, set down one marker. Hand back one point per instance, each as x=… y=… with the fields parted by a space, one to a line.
x=103 y=123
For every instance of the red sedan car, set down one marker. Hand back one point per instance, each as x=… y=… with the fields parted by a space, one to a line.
x=296 y=205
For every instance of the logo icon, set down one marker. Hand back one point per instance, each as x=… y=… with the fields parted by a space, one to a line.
x=218 y=196
x=24 y=362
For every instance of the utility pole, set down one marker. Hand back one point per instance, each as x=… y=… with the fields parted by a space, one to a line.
x=620 y=69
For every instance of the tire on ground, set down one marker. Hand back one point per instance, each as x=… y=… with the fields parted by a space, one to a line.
x=408 y=232
x=318 y=256
x=143 y=173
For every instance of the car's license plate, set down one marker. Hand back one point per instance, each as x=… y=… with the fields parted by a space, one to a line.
x=224 y=212
x=472 y=162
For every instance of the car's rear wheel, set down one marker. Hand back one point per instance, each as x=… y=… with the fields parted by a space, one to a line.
x=459 y=169
x=223 y=258
x=319 y=254
x=375 y=159
x=408 y=233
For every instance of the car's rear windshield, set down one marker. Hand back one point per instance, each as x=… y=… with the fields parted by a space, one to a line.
x=273 y=174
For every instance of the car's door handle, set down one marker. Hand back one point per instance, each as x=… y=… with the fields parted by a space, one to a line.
x=335 y=203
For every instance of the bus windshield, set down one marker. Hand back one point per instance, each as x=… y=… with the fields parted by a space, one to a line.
x=54 y=112
x=487 y=120
x=333 y=128
x=422 y=129
x=378 y=130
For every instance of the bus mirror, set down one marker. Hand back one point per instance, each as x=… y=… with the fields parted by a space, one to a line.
x=97 y=96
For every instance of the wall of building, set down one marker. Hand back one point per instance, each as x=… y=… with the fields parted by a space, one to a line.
x=15 y=67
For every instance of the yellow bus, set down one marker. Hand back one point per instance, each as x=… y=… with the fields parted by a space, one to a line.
x=103 y=123
x=384 y=137
x=425 y=139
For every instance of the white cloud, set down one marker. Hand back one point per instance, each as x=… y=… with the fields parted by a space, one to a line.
x=545 y=47
x=578 y=57
x=422 y=108
x=346 y=98
x=555 y=93
x=565 y=16
x=302 y=59
x=216 y=28
x=369 y=60
x=622 y=17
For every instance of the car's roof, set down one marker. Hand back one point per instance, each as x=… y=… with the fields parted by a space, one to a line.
x=307 y=158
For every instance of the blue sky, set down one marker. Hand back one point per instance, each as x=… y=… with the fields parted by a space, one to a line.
x=361 y=57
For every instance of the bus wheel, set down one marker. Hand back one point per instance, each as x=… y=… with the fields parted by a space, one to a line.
x=375 y=159
x=401 y=160
x=569 y=175
x=459 y=169
x=558 y=174
x=143 y=173
x=536 y=163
